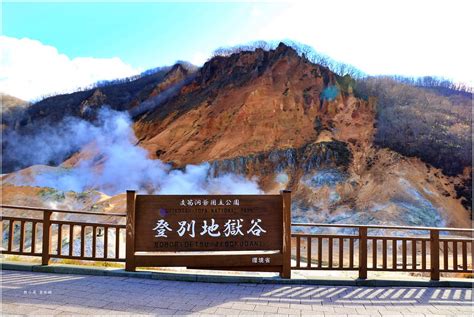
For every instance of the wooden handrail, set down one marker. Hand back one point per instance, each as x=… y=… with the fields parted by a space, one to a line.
x=339 y=225
x=431 y=248
x=401 y=238
x=64 y=211
x=433 y=241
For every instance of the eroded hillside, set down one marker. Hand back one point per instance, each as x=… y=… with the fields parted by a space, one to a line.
x=275 y=117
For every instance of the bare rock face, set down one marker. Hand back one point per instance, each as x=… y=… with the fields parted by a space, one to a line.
x=288 y=122
x=249 y=102
x=88 y=107
x=311 y=157
x=9 y=102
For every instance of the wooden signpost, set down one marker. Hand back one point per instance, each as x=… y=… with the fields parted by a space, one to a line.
x=221 y=232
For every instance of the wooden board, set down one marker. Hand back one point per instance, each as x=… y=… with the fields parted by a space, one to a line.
x=238 y=232
x=208 y=223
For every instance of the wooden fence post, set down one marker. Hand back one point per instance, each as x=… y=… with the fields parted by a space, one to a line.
x=130 y=232
x=286 y=267
x=434 y=254
x=1 y=232
x=362 y=253
x=46 y=237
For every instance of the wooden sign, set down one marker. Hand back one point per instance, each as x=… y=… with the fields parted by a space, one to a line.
x=233 y=232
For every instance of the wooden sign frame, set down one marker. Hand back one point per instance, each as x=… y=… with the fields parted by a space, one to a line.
x=275 y=260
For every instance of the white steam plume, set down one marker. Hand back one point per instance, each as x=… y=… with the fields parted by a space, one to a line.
x=118 y=164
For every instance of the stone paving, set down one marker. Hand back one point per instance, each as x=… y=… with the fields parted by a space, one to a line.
x=28 y=293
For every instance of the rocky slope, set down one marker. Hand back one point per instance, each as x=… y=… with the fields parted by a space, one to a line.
x=9 y=102
x=275 y=116
x=122 y=95
x=249 y=103
x=11 y=108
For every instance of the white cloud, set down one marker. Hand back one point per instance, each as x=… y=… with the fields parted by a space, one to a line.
x=30 y=69
x=412 y=38
x=199 y=58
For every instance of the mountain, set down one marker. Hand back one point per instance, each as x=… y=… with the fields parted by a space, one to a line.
x=9 y=102
x=119 y=95
x=274 y=115
x=432 y=122
x=249 y=103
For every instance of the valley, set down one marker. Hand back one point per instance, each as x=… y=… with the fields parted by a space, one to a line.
x=249 y=122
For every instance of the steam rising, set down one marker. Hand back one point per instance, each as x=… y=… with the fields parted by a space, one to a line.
x=117 y=164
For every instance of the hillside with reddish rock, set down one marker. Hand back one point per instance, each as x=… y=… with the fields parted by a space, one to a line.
x=249 y=103
x=271 y=116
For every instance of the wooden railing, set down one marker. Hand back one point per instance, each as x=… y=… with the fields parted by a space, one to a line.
x=358 y=251
x=399 y=253
x=46 y=233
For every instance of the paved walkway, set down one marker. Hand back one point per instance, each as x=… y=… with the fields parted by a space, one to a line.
x=58 y=294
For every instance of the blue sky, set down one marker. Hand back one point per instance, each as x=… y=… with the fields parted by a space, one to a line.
x=56 y=47
x=142 y=34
